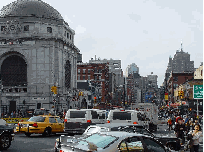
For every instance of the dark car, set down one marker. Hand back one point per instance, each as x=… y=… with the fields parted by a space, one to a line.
x=171 y=142
x=6 y=135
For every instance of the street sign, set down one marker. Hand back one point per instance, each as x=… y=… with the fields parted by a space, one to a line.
x=198 y=91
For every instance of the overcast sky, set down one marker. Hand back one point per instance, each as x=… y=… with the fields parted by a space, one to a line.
x=144 y=32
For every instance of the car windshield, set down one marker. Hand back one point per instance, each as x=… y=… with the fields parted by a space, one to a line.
x=101 y=141
x=121 y=115
x=37 y=119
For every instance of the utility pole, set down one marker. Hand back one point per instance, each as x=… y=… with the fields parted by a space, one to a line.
x=0 y=94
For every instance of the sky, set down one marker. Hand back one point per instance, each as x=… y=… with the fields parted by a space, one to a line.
x=144 y=32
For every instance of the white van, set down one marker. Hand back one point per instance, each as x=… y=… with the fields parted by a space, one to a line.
x=77 y=120
x=123 y=116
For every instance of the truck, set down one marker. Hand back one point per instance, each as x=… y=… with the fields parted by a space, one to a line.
x=150 y=111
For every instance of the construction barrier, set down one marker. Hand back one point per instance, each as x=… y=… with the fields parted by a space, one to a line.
x=15 y=120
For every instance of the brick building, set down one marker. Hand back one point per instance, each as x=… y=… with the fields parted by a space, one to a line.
x=97 y=75
x=175 y=80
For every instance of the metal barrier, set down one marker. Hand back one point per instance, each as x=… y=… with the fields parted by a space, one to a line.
x=15 y=120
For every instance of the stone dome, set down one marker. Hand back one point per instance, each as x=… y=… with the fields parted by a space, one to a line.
x=26 y=8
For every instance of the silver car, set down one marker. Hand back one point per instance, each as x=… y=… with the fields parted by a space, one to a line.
x=114 y=141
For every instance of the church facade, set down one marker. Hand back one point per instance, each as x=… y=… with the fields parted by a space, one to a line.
x=37 y=51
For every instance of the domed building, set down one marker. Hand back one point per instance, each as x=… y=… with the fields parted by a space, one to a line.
x=37 y=51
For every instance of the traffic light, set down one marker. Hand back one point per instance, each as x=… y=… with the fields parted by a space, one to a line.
x=179 y=93
x=182 y=93
x=54 y=89
x=94 y=99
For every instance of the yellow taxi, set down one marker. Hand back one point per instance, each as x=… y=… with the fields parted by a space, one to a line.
x=41 y=124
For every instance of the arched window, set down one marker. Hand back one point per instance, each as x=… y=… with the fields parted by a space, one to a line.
x=67 y=74
x=14 y=71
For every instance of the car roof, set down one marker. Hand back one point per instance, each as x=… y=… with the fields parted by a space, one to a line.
x=111 y=124
x=122 y=134
x=48 y=116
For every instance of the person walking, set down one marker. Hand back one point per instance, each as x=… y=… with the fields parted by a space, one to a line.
x=169 y=123
x=196 y=134
x=179 y=129
x=12 y=114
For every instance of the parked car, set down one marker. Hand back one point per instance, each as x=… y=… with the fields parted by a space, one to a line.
x=42 y=124
x=6 y=135
x=114 y=141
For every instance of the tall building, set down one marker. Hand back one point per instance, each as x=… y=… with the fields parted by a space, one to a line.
x=115 y=71
x=132 y=68
x=179 y=64
x=37 y=51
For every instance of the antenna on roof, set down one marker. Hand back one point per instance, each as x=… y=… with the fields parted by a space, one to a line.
x=181 y=46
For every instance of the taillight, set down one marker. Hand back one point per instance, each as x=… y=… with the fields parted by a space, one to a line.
x=35 y=125
x=88 y=121
x=18 y=124
x=108 y=121
x=61 y=151
x=65 y=120
x=135 y=123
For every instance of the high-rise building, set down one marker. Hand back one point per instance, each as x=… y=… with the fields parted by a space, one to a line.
x=179 y=64
x=115 y=71
x=132 y=68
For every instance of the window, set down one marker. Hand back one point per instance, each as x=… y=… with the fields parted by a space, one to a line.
x=132 y=143
x=60 y=120
x=121 y=115
x=89 y=70
x=37 y=119
x=152 y=145
x=49 y=30
x=89 y=77
x=26 y=28
x=70 y=37
x=84 y=77
x=99 y=77
x=95 y=77
x=94 y=115
x=52 y=120
x=78 y=71
x=2 y=28
x=67 y=35
x=78 y=77
x=84 y=71
x=201 y=73
x=77 y=114
x=100 y=140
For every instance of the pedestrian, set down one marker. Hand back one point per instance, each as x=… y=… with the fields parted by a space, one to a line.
x=186 y=120
x=169 y=123
x=179 y=129
x=196 y=134
x=196 y=122
x=12 y=114
x=177 y=118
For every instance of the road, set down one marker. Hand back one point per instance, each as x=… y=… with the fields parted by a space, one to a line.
x=39 y=143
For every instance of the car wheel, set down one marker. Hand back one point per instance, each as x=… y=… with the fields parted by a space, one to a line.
x=28 y=134
x=5 y=142
x=170 y=146
x=47 y=132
